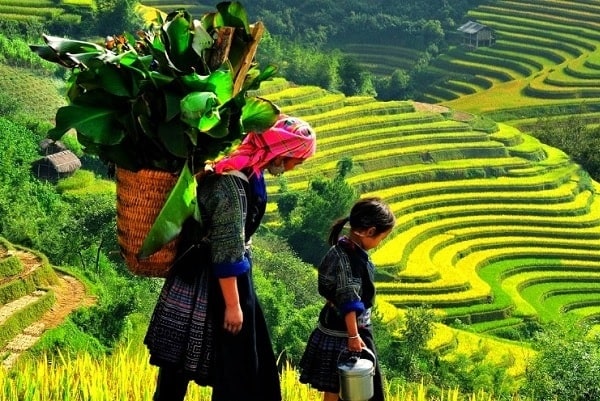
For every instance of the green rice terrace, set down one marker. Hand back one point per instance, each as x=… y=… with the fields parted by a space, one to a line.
x=26 y=294
x=494 y=228
x=545 y=61
x=68 y=11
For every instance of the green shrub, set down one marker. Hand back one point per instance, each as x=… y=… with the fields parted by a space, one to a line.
x=567 y=365
x=10 y=266
x=66 y=339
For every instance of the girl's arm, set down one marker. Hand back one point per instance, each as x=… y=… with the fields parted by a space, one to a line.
x=355 y=343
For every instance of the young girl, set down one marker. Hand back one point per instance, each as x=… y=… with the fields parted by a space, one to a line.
x=346 y=283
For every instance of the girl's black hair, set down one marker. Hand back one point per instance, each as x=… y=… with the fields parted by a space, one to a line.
x=366 y=213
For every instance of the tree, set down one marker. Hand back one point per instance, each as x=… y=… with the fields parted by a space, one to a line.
x=306 y=226
x=403 y=345
x=287 y=288
x=567 y=365
x=573 y=137
x=355 y=79
x=115 y=16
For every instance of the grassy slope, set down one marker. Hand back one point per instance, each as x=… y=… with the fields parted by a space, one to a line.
x=543 y=27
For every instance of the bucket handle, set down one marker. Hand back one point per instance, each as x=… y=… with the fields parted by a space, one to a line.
x=364 y=350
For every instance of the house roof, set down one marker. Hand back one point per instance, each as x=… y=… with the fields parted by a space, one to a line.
x=472 y=27
x=47 y=142
x=64 y=162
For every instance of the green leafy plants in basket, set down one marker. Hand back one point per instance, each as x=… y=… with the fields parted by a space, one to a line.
x=168 y=98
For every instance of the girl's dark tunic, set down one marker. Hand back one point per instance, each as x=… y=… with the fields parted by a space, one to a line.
x=186 y=330
x=346 y=281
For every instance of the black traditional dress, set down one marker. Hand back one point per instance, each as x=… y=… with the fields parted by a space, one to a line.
x=186 y=330
x=346 y=281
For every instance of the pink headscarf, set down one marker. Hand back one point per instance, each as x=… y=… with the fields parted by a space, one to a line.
x=288 y=137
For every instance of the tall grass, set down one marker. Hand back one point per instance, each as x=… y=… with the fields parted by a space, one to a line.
x=126 y=375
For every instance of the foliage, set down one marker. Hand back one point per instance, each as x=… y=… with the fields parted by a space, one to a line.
x=306 y=226
x=291 y=306
x=15 y=52
x=91 y=224
x=115 y=16
x=158 y=101
x=402 y=344
x=355 y=78
x=27 y=207
x=289 y=325
x=126 y=375
x=574 y=138
x=327 y=22
x=475 y=373
x=105 y=322
x=66 y=339
x=567 y=366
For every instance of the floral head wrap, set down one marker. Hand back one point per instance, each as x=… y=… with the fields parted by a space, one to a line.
x=288 y=137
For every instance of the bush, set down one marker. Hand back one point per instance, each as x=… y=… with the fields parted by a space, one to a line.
x=567 y=366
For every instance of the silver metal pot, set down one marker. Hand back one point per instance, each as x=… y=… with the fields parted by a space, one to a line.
x=356 y=375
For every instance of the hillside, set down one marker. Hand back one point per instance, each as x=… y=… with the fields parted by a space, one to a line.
x=33 y=299
x=495 y=229
x=544 y=62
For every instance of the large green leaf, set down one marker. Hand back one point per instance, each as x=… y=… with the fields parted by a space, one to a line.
x=254 y=79
x=172 y=105
x=48 y=54
x=81 y=58
x=177 y=30
x=97 y=124
x=220 y=82
x=173 y=137
x=65 y=46
x=199 y=110
x=111 y=79
x=202 y=39
x=220 y=130
x=232 y=13
x=180 y=205
x=259 y=114
x=177 y=35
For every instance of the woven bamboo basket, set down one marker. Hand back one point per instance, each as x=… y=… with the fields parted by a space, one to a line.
x=140 y=197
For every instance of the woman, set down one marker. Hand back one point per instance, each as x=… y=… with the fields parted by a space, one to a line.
x=346 y=281
x=208 y=326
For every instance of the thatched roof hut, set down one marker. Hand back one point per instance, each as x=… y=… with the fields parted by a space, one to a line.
x=57 y=165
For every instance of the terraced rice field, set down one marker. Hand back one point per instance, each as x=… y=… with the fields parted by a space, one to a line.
x=544 y=62
x=494 y=228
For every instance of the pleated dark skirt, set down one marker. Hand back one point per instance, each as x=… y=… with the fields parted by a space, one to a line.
x=186 y=333
x=318 y=366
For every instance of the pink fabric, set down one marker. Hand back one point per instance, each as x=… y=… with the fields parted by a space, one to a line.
x=288 y=137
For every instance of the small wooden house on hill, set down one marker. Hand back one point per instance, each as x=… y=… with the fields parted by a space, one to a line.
x=57 y=165
x=475 y=34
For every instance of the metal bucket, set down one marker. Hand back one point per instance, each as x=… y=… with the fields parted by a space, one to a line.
x=356 y=375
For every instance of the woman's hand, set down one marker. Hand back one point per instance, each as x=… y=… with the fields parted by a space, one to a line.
x=234 y=318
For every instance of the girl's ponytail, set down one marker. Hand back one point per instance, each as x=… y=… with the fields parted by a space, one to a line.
x=336 y=229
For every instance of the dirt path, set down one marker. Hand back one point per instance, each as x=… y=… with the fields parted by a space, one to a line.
x=436 y=108
x=70 y=295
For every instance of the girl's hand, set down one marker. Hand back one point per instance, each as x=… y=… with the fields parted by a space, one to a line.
x=234 y=318
x=356 y=344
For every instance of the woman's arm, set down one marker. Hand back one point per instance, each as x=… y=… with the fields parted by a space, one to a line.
x=233 y=312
